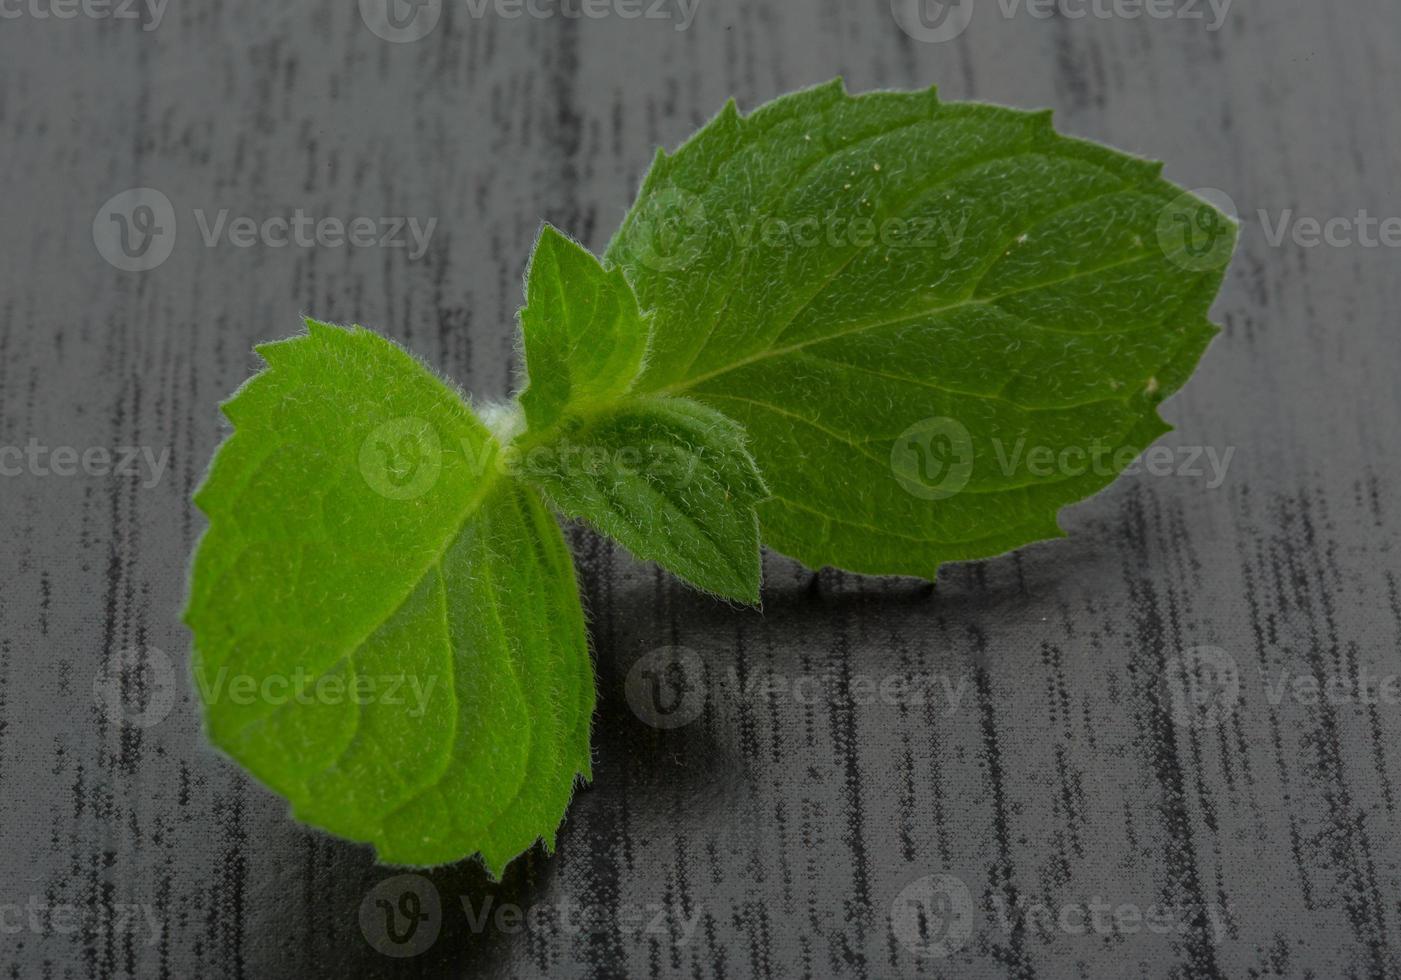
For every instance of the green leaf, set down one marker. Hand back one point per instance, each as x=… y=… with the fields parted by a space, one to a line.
x=387 y=628
x=900 y=308
x=893 y=295
x=584 y=335
x=669 y=479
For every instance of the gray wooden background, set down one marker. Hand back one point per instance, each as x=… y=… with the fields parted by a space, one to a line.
x=1099 y=757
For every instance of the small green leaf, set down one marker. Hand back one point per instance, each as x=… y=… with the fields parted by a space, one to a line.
x=583 y=333
x=669 y=479
x=387 y=629
x=903 y=300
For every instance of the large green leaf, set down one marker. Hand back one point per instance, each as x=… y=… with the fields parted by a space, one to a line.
x=893 y=294
x=387 y=628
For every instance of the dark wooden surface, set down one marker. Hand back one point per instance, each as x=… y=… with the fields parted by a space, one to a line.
x=1261 y=830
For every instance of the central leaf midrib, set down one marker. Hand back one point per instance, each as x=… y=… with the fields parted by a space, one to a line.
x=680 y=387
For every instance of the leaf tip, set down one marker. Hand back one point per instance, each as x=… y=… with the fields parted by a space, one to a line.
x=272 y=351
x=325 y=332
x=550 y=235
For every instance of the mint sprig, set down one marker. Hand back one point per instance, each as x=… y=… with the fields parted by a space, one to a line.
x=817 y=325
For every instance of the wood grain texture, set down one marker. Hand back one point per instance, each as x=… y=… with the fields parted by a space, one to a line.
x=785 y=820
